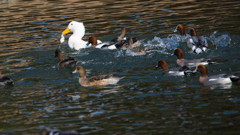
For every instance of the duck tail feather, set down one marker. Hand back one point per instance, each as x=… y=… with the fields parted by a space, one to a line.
x=234 y=78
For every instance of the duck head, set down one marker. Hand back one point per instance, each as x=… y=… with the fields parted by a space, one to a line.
x=92 y=40
x=202 y=69
x=193 y=32
x=181 y=29
x=179 y=53
x=59 y=54
x=75 y=27
x=80 y=70
x=162 y=64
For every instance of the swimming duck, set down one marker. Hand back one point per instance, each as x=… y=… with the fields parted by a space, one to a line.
x=115 y=43
x=64 y=62
x=181 y=29
x=5 y=80
x=58 y=132
x=100 y=80
x=191 y=63
x=215 y=79
x=133 y=42
x=75 y=40
x=198 y=44
x=121 y=37
x=177 y=71
x=105 y=45
x=136 y=51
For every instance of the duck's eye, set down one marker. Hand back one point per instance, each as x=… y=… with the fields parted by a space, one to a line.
x=71 y=24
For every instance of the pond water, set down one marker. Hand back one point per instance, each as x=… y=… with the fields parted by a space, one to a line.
x=145 y=101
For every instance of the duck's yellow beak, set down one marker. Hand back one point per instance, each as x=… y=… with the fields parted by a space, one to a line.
x=66 y=31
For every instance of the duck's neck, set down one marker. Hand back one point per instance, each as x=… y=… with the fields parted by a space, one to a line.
x=122 y=35
x=193 y=33
x=180 y=62
x=83 y=80
x=180 y=56
x=182 y=31
x=204 y=74
x=130 y=42
x=164 y=67
x=82 y=76
x=60 y=57
x=94 y=43
x=79 y=32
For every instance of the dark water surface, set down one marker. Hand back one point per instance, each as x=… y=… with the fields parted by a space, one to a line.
x=145 y=101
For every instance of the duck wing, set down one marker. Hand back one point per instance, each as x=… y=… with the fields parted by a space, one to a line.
x=114 y=40
x=209 y=58
x=173 y=72
x=232 y=76
x=197 y=43
x=194 y=40
x=202 y=42
x=100 y=77
x=134 y=39
x=184 y=68
x=121 y=43
x=68 y=61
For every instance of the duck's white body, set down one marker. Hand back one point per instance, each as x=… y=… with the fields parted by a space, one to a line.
x=107 y=44
x=75 y=40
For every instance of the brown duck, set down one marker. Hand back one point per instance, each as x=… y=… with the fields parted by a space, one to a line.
x=64 y=62
x=191 y=63
x=100 y=80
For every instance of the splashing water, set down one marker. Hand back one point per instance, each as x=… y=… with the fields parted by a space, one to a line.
x=178 y=38
x=222 y=40
x=119 y=53
x=165 y=43
x=130 y=53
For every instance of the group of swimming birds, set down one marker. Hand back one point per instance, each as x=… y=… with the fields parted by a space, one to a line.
x=196 y=43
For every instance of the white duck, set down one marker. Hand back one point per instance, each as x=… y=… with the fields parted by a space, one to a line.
x=75 y=41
